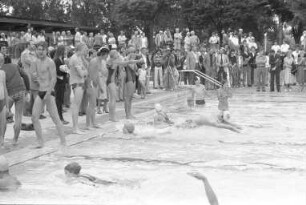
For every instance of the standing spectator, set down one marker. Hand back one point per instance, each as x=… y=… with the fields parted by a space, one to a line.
x=78 y=74
x=301 y=66
x=168 y=37
x=233 y=68
x=77 y=37
x=239 y=66
x=204 y=60
x=122 y=40
x=261 y=61
x=28 y=57
x=112 y=41
x=246 y=67
x=214 y=41
x=285 y=47
x=91 y=40
x=222 y=63
x=28 y=35
x=53 y=39
x=187 y=42
x=160 y=39
x=252 y=67
x=275 y=69
x=303 y=40
x=41 y=37
x=61 y=74
x=61 y=39
x=3 y=37
x=275 y=47
x=158 y=70
x=288 y=62
x=252 y=43
x=170 y=74
x=18 y=86
x=104 y=37
x=177 y=39
x=98 y=41
x=147 y=66
x=3 y=50
x=84 y=38
x=192 y=61
x=69 y=39
x=194 y=39
x=142 y=73
x=144 y=40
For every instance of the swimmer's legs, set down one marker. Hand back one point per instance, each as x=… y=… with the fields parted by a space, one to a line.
x=18 y=118
x=112 y=101
x=52 y=109
x=75 y=107
x=38 y=103
x=2 y=125
x=129 y=91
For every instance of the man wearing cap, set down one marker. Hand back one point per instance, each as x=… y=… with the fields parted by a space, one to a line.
x=44 y=71
x=7 y=182
x=18 y=87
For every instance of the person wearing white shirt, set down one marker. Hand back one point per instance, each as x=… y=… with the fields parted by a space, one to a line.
x=28 y=36
x=77 y=37
x=275 y=47
x=187 y=43
x=252 y=43
x=284 y=47
x=112 y=41
x=177 y=39
x=122 y=39
x=40 y=37
x=144 y=41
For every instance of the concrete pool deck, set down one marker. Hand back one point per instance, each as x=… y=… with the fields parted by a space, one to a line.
x=265 y=164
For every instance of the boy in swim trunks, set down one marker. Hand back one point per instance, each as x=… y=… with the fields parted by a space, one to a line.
x=223 y=94
x=198 y=93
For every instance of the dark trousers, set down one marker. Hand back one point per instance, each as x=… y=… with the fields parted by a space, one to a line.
x=191 y=78
x=275 y=77
x=221 y=74
x=252 y=74
x=59 y=98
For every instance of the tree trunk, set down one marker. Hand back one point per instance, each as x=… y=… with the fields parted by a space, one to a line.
x=148 y=29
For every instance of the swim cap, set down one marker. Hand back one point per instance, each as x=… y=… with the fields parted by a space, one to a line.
x=128 y=128
x=158 y=107
x=4 y=165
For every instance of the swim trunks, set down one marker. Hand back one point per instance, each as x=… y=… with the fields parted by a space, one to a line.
x=200 y=102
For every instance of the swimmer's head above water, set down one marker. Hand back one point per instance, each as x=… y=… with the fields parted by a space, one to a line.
x=4 y=165
x=72 y=169
x=128 y=128
x=158 y=107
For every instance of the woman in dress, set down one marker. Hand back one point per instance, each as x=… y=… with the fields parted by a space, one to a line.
x=288 y=62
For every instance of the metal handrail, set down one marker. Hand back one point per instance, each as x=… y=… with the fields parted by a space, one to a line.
x=203 y=75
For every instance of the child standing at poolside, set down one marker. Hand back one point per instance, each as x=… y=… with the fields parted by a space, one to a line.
x=142 y=73
x=223 y=94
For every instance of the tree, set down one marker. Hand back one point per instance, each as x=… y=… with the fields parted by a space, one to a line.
x=143 y=13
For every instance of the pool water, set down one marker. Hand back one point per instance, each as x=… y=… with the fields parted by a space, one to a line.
x=264 y=164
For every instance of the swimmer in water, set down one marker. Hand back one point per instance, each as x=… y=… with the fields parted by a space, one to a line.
x=223 y=94
x=160 y=116
x=198 y=93
x=128 y=128
x=7 y=182
x=222 y=122
x=211 y=196
x=72 y=172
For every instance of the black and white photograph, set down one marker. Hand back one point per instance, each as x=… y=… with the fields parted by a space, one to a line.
x=153 y=102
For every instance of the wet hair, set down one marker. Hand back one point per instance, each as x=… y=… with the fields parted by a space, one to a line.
x=73 y=168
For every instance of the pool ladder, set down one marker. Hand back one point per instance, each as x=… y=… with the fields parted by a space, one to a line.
x=202 y=75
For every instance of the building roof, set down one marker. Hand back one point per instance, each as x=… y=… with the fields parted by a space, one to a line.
x=15 y=23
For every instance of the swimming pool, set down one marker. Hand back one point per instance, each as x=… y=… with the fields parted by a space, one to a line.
x=265 y=164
